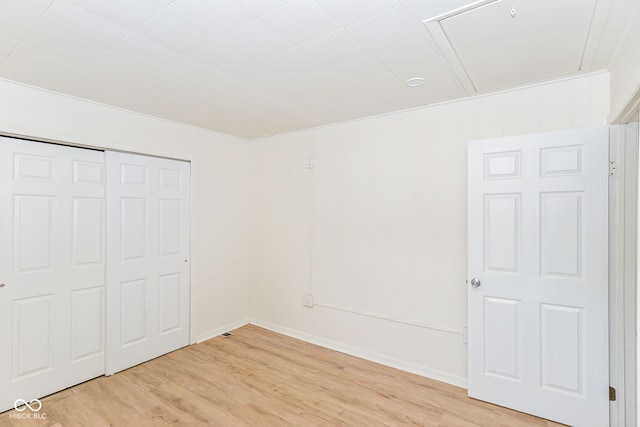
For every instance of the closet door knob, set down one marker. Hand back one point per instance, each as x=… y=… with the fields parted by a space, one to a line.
x=475 y=282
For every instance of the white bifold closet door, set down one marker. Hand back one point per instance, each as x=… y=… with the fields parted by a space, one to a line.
x=52 y=268
x=148 y=283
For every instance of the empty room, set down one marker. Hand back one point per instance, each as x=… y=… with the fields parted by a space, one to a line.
x=319 y=212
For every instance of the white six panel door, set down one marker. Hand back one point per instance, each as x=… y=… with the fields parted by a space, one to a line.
x=148 y=283
x=538 y=243
x=52 y=266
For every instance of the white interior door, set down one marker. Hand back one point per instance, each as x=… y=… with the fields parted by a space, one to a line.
x=538 y=244
x=52 y=264
x=148 y=283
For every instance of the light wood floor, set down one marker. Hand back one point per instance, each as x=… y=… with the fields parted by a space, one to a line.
x=260 y=378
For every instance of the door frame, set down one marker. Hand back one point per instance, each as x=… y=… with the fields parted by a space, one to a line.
x=623 y=264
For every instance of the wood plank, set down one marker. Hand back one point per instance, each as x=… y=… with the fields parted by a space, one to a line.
x=258 y=377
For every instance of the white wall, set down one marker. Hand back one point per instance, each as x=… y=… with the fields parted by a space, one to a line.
x=625 y=69
x=377 y=230
x=220 y=186
x=386 y=206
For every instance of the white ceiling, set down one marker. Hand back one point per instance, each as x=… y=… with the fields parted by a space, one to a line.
x=260 y=67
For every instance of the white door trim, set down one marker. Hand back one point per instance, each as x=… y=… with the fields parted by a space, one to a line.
x=623 y=264
x=630 y=277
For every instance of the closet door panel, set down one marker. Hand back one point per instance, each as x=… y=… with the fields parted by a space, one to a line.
x=52 y=266
x=148 y=286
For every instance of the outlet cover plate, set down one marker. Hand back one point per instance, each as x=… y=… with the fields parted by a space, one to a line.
x=307 y=300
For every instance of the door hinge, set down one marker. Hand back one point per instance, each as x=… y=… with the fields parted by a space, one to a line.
x=613 y=168
x=612 y=394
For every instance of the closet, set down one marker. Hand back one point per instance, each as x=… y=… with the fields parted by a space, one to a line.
x=94 y=264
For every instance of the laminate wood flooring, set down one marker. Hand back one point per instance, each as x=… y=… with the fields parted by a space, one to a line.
x=260 y=378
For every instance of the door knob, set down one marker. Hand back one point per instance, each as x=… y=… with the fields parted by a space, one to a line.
x=1 y=285
x=475 y=282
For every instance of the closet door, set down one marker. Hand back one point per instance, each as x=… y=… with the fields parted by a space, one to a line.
x=52 y=268
x=148 y=282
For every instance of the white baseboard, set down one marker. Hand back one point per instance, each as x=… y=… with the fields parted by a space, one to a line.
x=364 y=354
x=215 y=332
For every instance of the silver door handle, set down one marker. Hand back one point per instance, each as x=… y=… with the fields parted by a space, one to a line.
x=475 y=282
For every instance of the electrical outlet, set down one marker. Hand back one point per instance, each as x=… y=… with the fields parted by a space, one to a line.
x=307 y=300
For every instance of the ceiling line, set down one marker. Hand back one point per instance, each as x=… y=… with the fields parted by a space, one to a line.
x=35 y=23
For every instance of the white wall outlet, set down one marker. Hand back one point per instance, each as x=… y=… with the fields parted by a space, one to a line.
x=307 y=300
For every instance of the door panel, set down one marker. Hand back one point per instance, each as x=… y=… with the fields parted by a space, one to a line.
x=88 y=249
x=170 y=226
x=502 y=351
x=87 y=323
x=33 y=222
x=502 y=231
x=562 y=348
x=90 y=173
x=538 y=322
x=52 y=263
x=169 y=299
x=148 y=247
x=33 y=336
x=505 y=165
x=561 y=234
x=562 y=161
x=133 y=312
x=133 y=235
x=29 y=167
